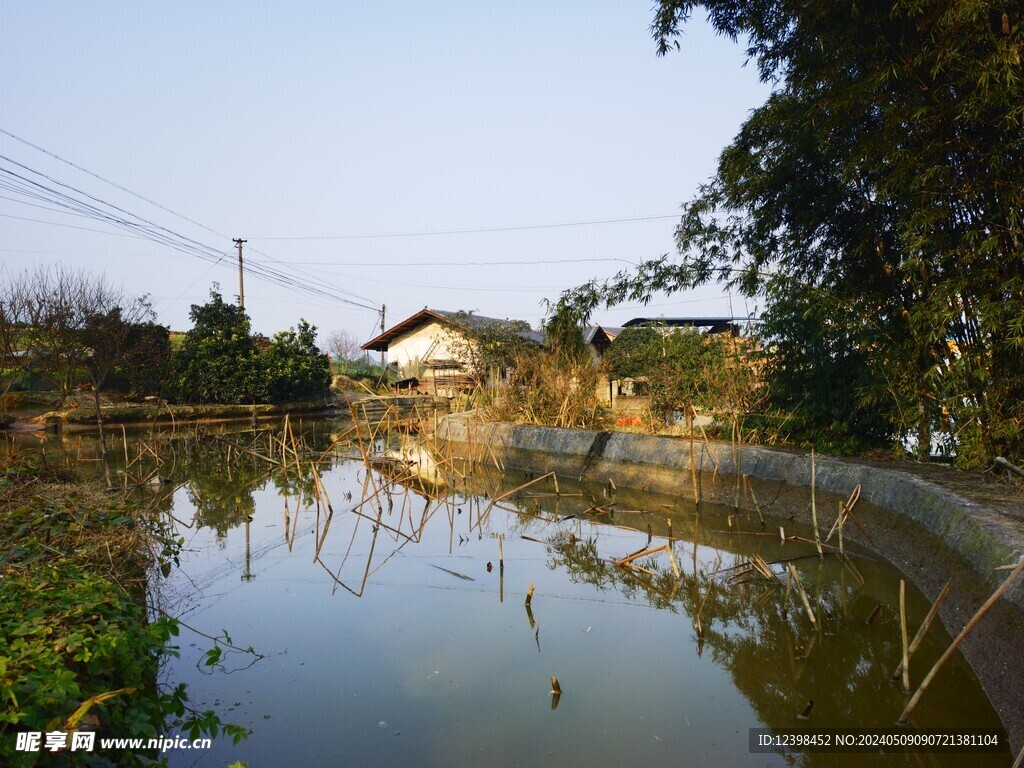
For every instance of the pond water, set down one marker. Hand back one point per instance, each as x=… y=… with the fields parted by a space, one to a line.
x=392 y=635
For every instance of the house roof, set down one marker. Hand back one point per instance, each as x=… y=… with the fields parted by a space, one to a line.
x=426 y=315
x=713 y=324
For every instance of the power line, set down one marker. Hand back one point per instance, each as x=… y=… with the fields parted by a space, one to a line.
x=108 y=181
x=69 y=226
x=150 y=230
x=95 y=253
x=158 y=233
x=455 y=263
x=475 y=230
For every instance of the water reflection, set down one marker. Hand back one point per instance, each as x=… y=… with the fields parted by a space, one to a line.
x=384 y=591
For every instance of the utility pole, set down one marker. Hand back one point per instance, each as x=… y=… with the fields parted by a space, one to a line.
x=383 y=352
x=241 y=284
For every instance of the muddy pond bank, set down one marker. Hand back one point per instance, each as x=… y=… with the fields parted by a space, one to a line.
x=80 y=413
x=931 y=534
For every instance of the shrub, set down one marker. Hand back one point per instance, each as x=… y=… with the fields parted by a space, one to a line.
x=293 y=366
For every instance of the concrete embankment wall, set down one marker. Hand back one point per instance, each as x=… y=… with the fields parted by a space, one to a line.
x=780 y=481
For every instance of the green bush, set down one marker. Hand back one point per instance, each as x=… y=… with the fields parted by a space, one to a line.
x=220 y=362
x=74 y=628
x=293 y=366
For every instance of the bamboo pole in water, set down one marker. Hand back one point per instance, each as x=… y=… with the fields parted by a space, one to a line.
x=905 y=664
x=814 y=510
x=932 y=613
x=693 y=459
x=803 y=595
x=916 y=698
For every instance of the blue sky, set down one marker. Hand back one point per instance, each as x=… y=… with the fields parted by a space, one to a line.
x=343 y=120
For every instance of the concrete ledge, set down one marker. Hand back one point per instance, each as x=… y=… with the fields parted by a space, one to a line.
x=982 y=537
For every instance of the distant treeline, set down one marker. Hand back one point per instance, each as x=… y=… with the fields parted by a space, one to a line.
x=63 y=330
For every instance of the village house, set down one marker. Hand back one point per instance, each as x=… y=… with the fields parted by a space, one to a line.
x=432 y=350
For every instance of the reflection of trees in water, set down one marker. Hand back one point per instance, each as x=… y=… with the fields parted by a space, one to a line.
x=579 y=559
x=778 y=661
x=221 y=487
x=224 y=479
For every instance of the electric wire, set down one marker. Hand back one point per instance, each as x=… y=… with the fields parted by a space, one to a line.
x=169 y=237
x=477 y=230
x=150 y=230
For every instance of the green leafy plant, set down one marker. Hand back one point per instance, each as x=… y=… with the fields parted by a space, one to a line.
x=77 y=645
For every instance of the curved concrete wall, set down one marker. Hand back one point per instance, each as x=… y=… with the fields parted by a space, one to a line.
x=982 y=537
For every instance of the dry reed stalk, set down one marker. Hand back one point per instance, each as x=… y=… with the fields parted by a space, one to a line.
x=814 y=510
x=529 y=594
x=322 y=491
x=848 y=563
x=505 y=495
x=497 y=464
x=556 y=689
x=916 y=698
x=739 y=460
x=905 y=664
x=254 y=454
x=764 y=569
x=919 y=636
x=803 y=595
x=334 y=443
x=757 y=507
x=844 y=511
x=637 y=555
x=697 y=624
x=693 y=459
x=294 y=446
x=675 y=567
x=648 y=571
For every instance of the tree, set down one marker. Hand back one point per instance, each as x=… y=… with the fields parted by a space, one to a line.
x=344 y=347
x=685 y=368
x=882 y=182
x=816 y=376
x=147 y=366
x=12 y=331
x=76 y=325
x=109 y=334
x=294 y=366
x=58 y=303
x=218 y=361
x=486 y=347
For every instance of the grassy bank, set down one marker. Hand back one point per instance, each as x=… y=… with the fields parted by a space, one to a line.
x=78 y=650
x=129 y=414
